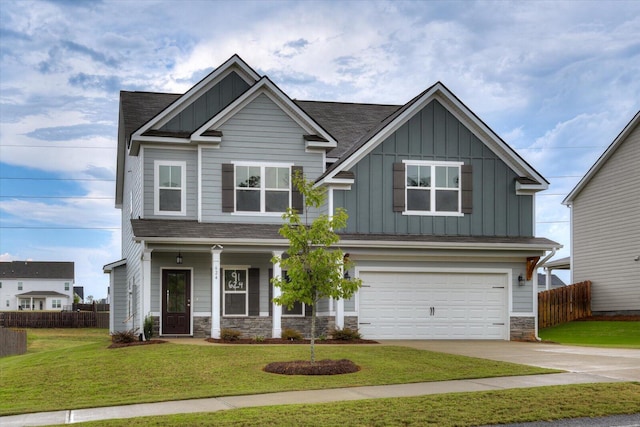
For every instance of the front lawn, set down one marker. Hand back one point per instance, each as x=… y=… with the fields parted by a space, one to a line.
x=606 y=333
x=82 y=372
x=455 y=409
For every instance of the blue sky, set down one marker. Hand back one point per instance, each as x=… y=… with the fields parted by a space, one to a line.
x=556 y=80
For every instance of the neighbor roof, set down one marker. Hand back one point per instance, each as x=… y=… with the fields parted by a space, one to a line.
x=37 y=270
x=635 y=121
x=42 y=294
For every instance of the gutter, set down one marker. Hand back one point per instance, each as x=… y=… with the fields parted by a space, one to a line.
x=535 y=288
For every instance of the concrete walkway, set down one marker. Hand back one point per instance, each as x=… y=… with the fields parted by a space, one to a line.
x=585 y=365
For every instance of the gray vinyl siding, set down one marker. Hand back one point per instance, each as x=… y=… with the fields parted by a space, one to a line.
x=200 y=265
x=606 y=230
x=120 y=294
x=435 y=134
x=208 y=105
x=190 y=156
x=261 y=132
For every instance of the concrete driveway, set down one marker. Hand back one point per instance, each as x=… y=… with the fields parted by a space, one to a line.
x=617 y=364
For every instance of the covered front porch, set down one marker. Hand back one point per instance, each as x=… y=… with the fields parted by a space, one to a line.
x=199 y=290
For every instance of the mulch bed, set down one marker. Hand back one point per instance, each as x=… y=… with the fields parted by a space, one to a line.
x=135 y=343
x=305 y=367
x=283 y=341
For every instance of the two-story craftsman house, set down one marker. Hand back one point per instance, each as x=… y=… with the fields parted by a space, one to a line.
x=441 y=212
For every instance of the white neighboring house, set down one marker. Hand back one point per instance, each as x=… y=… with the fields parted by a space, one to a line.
x=33 y=285
x=605 y=226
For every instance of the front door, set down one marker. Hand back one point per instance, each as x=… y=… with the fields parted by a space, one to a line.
x=176 y=301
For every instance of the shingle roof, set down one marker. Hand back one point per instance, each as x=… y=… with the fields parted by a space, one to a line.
x=37 y=270
x=42 y=294
x=140 y=107
x=191 y=229
x=346 y=122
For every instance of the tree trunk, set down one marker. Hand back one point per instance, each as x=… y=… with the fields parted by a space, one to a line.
x=313 y=333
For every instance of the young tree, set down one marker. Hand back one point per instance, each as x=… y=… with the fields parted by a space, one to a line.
x=312 y=264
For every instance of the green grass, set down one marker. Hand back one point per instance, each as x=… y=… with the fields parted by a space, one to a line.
x=456 y=409
x=595 y=333
x=79 y=371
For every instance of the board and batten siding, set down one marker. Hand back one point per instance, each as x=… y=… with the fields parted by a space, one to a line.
x=261 y=132
x=606 y=230
x=435 y=134
x=208 y=105
x=188 y=155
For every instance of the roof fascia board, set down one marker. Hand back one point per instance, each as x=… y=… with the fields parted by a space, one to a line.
x=440 y=93
x=358 y=243
x=489 y=137
x=235 y=63
x=267 y=87
x=622 y=136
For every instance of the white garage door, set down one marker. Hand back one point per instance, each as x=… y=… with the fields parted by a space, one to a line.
x=419 y=305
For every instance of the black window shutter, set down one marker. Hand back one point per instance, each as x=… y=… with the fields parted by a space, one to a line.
x=297 y=201
x=228 y=204
x=254 y=292
x=467 y=189
x=398 y=187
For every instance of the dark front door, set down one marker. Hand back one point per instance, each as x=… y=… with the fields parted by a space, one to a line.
x=176 y=301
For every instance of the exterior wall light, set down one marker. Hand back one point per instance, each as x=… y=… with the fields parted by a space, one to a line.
x=520 y=280
x=179 y=258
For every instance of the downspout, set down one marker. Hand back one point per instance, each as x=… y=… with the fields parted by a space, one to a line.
x=535 y=288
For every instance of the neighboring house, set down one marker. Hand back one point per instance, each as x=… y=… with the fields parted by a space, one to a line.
x=34 y=285
x=79 y=290
x=605 y=226
x=554 y=282
x=441 y=212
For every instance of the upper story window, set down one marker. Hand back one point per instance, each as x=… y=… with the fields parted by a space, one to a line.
x=434 y=188
x=66 y=286
x=262 y=188
x=170 y=188
x=19 y=286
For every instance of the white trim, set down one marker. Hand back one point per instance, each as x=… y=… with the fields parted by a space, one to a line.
x=268 y=88
x=262 y=189
x=440 y=93
x=199 y=183
x=433 y=188
x=156 y=187
x=232 y=64
x=244 y=268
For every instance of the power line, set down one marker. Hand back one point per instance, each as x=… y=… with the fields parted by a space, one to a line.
x=57 y=197
x=56 y=228
x=56 y=179
x=55 y=146
x=552 y=222
x=590 y=147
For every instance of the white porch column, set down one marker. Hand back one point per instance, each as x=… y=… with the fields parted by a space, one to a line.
x=145 y=296
x=339 y=313
x=277 y=309
x=215 y=291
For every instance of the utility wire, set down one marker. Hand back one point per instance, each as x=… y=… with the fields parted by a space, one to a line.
x=57 y=197
x=56 y=228
x=56 y=179
x=55 y=146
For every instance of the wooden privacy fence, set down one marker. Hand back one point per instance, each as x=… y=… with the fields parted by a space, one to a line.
x=54 y=319
x=12 y=342
x=564 y=304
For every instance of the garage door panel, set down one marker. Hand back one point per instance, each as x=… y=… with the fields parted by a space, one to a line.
x=423 y=305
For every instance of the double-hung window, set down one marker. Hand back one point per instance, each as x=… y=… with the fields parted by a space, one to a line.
x=170 y=187
x=262 y=188
x=432 y=188
x=236 y=292
x=56 y=303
